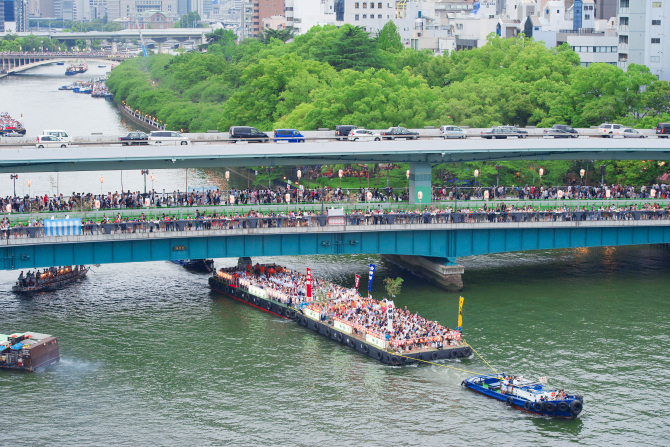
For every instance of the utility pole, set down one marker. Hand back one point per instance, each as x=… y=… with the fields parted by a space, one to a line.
x=14 y=177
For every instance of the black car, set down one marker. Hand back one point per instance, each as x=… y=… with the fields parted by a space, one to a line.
x=342 y=132
x=248 y=134
x=663 y=130
x=556 y=133
x=565 y=128
x=399 y=132
x=134 y=138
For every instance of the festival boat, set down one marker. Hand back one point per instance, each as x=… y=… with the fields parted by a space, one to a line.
x=338 y=330
x=49 y=279
x=73 y=69
x=527 y=395
x=200 y=265
x=28 y=351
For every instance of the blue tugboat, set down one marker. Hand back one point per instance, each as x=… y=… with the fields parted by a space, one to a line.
x=527 y=395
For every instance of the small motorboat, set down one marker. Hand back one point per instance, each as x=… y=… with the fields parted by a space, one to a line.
x=199 y=265
x=60 y=63
x=102 y=66
x=49 y=279
x=527 y=395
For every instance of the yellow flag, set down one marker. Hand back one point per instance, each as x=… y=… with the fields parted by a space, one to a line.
x=460 y=316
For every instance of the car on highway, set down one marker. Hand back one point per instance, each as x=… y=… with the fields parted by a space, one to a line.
x=556 y=133
x=364 y=135
x=608 y=130
x=167 y=138
x=663 y=130
x=452 y=132
x=399 y=132
x=136 y=137
x=60 y=135
x=246 y=133
x=290 y=135
x=342 y=132
x=498 y=132
x=569 y=129
x=50 y=141
x=629 y=132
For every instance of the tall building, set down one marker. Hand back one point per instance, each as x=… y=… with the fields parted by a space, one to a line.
x=2 y=17
x=264 y=9
x=643 y=28
x=15 y=15
x=605 y=9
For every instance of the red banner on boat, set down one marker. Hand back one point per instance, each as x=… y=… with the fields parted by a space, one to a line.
x=357 y=282
x=308 y=284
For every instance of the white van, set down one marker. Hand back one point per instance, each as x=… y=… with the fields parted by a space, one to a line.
x=50 y=141
x=166 y=137
x=61 y=135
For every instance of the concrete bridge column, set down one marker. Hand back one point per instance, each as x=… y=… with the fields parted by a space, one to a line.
x=115 y=46
x=160 y=41
x=420 y=178
x=443 y=272
x=181 y=41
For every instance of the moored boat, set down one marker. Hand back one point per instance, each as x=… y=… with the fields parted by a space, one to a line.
x=372 y=343
x=60 y=63
x=527 y=395
x=49 y=279
x=28 y=351
x=73 y=69
x=200 y=265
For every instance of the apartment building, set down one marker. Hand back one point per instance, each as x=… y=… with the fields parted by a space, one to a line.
x=643 y=26
x=264 y=9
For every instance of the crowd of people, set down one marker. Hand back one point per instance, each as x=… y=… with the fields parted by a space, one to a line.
x=9 y=123
x=365 y=315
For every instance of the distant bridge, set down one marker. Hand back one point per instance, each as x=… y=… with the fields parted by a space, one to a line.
x=15 y=63
x=446 y=241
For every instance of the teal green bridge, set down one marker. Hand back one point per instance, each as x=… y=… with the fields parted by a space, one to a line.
x=442 y=238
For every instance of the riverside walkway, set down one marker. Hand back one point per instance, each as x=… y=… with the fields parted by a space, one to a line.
x=446 y=235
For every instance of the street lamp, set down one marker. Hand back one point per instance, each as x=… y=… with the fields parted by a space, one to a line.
x=153 y=177
x=476 y=175
x=145 y=172
x=14 y=177
x=602 y=175
x=340 y=173
x=407 y=174
x=299 y=174
x=579 y=193
x=498 y=167
x=102 y=180
x=227 y=178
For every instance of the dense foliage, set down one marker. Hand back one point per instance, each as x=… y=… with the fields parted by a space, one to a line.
x=330 y=76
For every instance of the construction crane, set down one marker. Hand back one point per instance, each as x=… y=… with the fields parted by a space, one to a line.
x=144 y=47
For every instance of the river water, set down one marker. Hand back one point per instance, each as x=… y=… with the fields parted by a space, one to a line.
x=151 y=357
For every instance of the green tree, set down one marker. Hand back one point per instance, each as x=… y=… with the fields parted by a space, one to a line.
x=266 y=35
x=389 y=39
x=352 y=49
x=393 y=286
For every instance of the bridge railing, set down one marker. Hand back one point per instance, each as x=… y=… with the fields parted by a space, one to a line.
x=354 y=219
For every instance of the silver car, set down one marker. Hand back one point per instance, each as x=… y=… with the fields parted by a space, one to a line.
x=629 y=132
x=452 y=132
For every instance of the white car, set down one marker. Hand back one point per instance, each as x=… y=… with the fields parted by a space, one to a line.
x=364 y=135
x=167 y=138
x=59 y=135
x=607 y=130
x=452 y=132
x=50 y=141
x=629 y=132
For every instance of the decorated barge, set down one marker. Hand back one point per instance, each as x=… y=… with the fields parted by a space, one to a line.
x=338 y=330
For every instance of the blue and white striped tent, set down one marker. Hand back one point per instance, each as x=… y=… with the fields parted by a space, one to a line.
x=62 y=227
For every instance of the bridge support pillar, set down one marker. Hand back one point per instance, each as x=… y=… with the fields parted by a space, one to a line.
x=440 y=271
x=115 y=46
x=420 y=178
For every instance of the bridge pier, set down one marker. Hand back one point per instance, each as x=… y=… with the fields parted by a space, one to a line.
x=440 y=271
x=160 y=41
x=420 y=189
x=115 y=46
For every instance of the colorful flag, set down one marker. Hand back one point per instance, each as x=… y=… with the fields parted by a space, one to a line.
x=370 y=277
x=308 y=284
x=460 y=316
x=390 y=306
x=357 y=282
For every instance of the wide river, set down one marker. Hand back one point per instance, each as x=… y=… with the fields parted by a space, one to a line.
x=151 y=357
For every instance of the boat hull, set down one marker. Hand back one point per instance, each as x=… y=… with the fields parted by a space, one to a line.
x=198 y=265
x=322 y=328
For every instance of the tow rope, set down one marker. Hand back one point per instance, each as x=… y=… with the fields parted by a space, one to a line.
x=447 y=366
x=473 y=350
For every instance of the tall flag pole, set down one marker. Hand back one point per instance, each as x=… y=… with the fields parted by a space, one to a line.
x=370 y=277
x=308 y=285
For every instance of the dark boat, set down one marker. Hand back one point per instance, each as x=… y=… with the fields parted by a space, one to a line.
x=199 y=265
x=12 y=132
x=336 y=331
x=51 y=279
x=60 y=63
x=28 y=351
x=102 y=66
x=533 y=397
x=73 y=69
